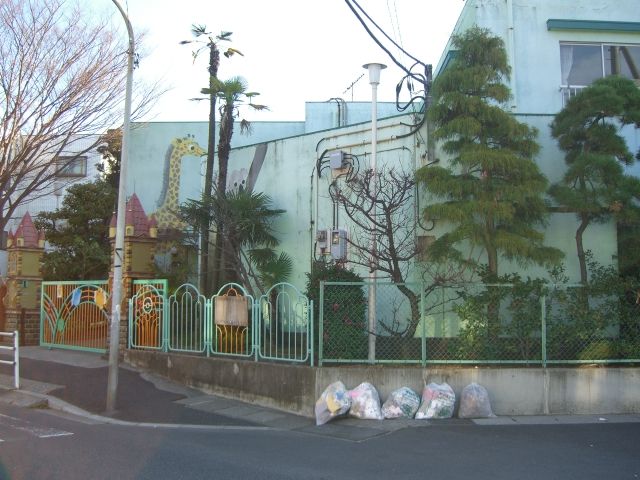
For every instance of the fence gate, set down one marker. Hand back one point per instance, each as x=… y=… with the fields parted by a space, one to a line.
x=147 y=315
x=285 y=325
x=75 y=315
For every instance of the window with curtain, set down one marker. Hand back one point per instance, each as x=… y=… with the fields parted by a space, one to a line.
x=581 y=64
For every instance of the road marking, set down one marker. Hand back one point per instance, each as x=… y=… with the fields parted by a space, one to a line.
x=26 y=426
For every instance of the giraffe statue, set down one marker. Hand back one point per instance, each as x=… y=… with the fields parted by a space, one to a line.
x=166 y=214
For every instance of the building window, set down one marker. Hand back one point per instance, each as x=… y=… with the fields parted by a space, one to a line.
x=71 y=166
x=581 y=64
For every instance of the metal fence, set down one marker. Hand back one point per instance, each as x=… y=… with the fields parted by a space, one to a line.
x=276 y=326
x=530 y=323
x=75 y=314
x=15 y=362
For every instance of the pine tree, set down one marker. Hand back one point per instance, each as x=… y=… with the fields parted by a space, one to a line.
x=595 y=185
x=490 y=196
x=79 y=233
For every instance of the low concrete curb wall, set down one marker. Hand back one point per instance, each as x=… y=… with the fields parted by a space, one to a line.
x=513 y=391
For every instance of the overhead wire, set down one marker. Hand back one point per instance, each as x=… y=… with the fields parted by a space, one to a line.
x=423 y=79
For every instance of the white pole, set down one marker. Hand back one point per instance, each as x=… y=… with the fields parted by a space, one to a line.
x=16 y=360
x=118 y=257
x=374 y=80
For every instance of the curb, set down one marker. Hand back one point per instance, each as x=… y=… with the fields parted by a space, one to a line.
x=54 y=403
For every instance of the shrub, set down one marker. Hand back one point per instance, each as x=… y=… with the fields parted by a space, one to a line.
x=344 y=312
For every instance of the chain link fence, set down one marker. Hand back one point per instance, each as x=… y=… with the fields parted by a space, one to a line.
x=529 y=323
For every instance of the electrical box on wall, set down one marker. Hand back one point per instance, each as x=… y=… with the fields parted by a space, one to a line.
x=339 y=244
x=336 y=160
x=321 y=240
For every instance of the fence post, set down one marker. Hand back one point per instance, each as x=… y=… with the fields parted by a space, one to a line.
x=543 y=331
x=256 y=321
x=130 y=323
x=16 y=360
x=311 y=328
x=423 y=320
x=208 y=327
x=164 y=336
x=321 y=323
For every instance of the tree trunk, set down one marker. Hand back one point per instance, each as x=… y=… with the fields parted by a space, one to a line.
x=205 y=284
x=493 y=307
x=414 y=303
x=580 y=247
x=224 y=147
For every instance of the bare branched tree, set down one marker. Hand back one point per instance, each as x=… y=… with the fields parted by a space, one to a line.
x=395 y=229
x=62 y=81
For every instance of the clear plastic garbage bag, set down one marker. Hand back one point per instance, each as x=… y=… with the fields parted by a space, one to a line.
x=402 y=402
x=365 y=402
x=438 y=401
x=333 y=402
x=474 y=402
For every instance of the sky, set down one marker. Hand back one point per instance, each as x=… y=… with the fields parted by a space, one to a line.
x=293 y=50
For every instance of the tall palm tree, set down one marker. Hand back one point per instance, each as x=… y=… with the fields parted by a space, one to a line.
x=232 y=94
x=211 y=43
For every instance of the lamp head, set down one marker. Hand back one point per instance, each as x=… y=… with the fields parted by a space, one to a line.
x=374 y=72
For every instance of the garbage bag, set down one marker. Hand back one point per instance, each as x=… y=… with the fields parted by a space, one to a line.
x=365 y=402
x=474 y=402
x=438 y=401
x=402 y=402
x=333 y=402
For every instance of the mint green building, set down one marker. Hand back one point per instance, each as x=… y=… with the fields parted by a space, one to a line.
x=555 y=48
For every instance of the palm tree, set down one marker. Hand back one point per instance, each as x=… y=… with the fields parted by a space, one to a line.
x=232 y=94
x=248 y=238
x=210 y=43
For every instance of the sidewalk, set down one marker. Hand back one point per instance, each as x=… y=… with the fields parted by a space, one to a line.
x=76 y=383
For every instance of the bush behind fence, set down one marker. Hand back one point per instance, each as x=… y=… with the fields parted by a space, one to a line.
x=528 y=322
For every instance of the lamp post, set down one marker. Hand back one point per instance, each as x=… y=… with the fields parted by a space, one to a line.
x=374 y=80
x=118 y=256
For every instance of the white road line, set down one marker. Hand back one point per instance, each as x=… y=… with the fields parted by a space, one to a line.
x=26 y=426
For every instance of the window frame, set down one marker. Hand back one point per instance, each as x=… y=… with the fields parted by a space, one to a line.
x=602 y=46
x=64 y=164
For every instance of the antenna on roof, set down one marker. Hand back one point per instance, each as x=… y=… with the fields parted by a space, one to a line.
x=350 y=87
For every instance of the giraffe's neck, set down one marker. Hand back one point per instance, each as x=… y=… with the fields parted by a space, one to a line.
x=170 y=202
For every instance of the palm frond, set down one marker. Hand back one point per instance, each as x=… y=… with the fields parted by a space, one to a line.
x=198 y=30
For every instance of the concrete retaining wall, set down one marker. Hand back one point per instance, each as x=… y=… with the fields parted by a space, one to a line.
x=513 y=391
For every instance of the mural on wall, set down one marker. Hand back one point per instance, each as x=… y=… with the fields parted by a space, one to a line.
x=168 y=202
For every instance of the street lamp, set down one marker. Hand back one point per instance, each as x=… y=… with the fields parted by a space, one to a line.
x=374 y=80
x=118 y=256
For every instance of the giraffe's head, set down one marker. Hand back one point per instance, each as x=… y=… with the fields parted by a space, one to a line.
x=187 y=146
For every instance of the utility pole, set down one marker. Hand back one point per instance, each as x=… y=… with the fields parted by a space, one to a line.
x=374 y=79
x=118 y=256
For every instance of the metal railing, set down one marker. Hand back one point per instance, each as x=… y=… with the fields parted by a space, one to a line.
x=15 y=348
x=277 y=326
x=530 y=323
x=75 y=314
x=569 y=91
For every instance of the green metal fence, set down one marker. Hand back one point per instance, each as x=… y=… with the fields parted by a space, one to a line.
x=277 y=326
x=529 y=323
x=284 y=329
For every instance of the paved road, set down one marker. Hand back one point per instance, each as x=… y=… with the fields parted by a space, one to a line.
x=42 y=444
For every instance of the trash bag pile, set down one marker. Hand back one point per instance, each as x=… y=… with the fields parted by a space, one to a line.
x=438 y=400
